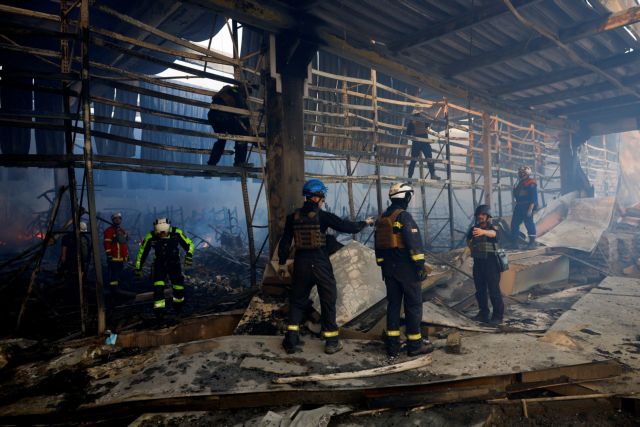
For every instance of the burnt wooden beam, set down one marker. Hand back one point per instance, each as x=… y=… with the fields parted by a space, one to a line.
x=540 y=43
x=435 y=30
x=565 y=74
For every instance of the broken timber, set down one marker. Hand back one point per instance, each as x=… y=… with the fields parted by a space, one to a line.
x=383 y=370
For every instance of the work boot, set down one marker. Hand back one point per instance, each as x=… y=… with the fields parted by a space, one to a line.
x=495 y=320
x=532 y=243
x=435 y=177
x=419 y=347
x=291 y=342
x=481 y=317
x=332 y=346
x=393 y=346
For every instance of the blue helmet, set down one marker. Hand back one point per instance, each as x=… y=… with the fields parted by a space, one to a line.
x=314 y=187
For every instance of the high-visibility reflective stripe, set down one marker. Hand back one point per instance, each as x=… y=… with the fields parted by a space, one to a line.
x=379 y=259
x=294 y=328
x=113 y=283
x=159 y=304
x=398 y=224
x=178 y=287
x=414 y=337
x=158 y=283
x=393 y=333
x=417 y=257
x=186 y=240
x=178 y=299
x=330 y=334
x=144 y=243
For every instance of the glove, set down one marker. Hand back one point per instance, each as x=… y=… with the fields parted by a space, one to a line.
x=422 y=274
x=370 y=221
x=282 y=271
x=138 y=274
x=188 y=260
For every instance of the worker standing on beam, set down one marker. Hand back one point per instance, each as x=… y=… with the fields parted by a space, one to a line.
x=165 y=241
x=226 y=122
x=482 y=239
x=399 y=252
x=307 y=227
x=418 y=127
x=116 y=246
x=525 y=196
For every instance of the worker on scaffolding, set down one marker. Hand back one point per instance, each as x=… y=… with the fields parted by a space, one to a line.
x=231 y=123
x=399 y=252
x=165 y=241
x=418 y=127
x=307 y=227
x=525 y=199
x=482 y=240
x=116 y=247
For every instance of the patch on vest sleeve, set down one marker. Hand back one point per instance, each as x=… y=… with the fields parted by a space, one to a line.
x=414 y=230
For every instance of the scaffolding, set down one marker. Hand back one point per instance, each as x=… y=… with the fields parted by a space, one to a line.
x=353 y=125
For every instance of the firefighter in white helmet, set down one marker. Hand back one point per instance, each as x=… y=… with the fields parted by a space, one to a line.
x=165 y=241
x=400 y=254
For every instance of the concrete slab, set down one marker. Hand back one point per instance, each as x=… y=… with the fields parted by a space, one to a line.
x=606 y=322
x=525 y=273
x=586 y=220
x=358 y=279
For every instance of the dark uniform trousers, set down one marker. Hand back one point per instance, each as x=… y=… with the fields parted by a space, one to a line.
x=161 y=271
x=309 y=270
x=418 y=147
x=228 y=123
x=486 y=277
x=412 y=292
x=520 y=216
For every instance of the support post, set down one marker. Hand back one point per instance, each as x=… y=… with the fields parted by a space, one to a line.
x=71 y=175
x=284 y=130
x=486 y=156
x=497 y=135
x=374 y=105
x=88 y=163
x=472 y=161
x=449 y=187
x=423 y=197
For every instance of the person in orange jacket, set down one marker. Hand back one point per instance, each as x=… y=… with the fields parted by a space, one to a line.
x=117 y=249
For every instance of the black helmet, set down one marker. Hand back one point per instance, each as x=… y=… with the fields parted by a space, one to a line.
x=483 y=209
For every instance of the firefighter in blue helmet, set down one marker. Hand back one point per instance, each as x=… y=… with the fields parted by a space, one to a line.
x=483 y=242
x=400 y=254
x=525 y=196
x=307 y=228
x=166 y=242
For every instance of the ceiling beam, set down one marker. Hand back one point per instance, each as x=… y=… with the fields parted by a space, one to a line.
x=273 y=17
x=602 y=106
x=577 y=92
x=540 y=43
x=565 y=74
x=457 y=23
x=621 y=119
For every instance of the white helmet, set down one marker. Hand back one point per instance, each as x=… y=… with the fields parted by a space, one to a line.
x=83 y=227
x=400 y=191
x=524 y=170
x=161 y=225
x=116 y=215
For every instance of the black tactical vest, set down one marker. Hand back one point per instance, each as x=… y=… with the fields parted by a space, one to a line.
x=306 y=230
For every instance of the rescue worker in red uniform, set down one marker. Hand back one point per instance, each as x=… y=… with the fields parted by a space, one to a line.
x=418 y=127
x=525 y=199
x=225 y=122
x=165 y=240
x=482 y=239
x=116 y=247
x=307 y=227
x=399 y=252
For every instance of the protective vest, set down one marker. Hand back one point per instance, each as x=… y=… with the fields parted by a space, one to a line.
x=386 y=235
x=115 y=243
x=481 y=247
x=419 y=128
x=306 y=230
